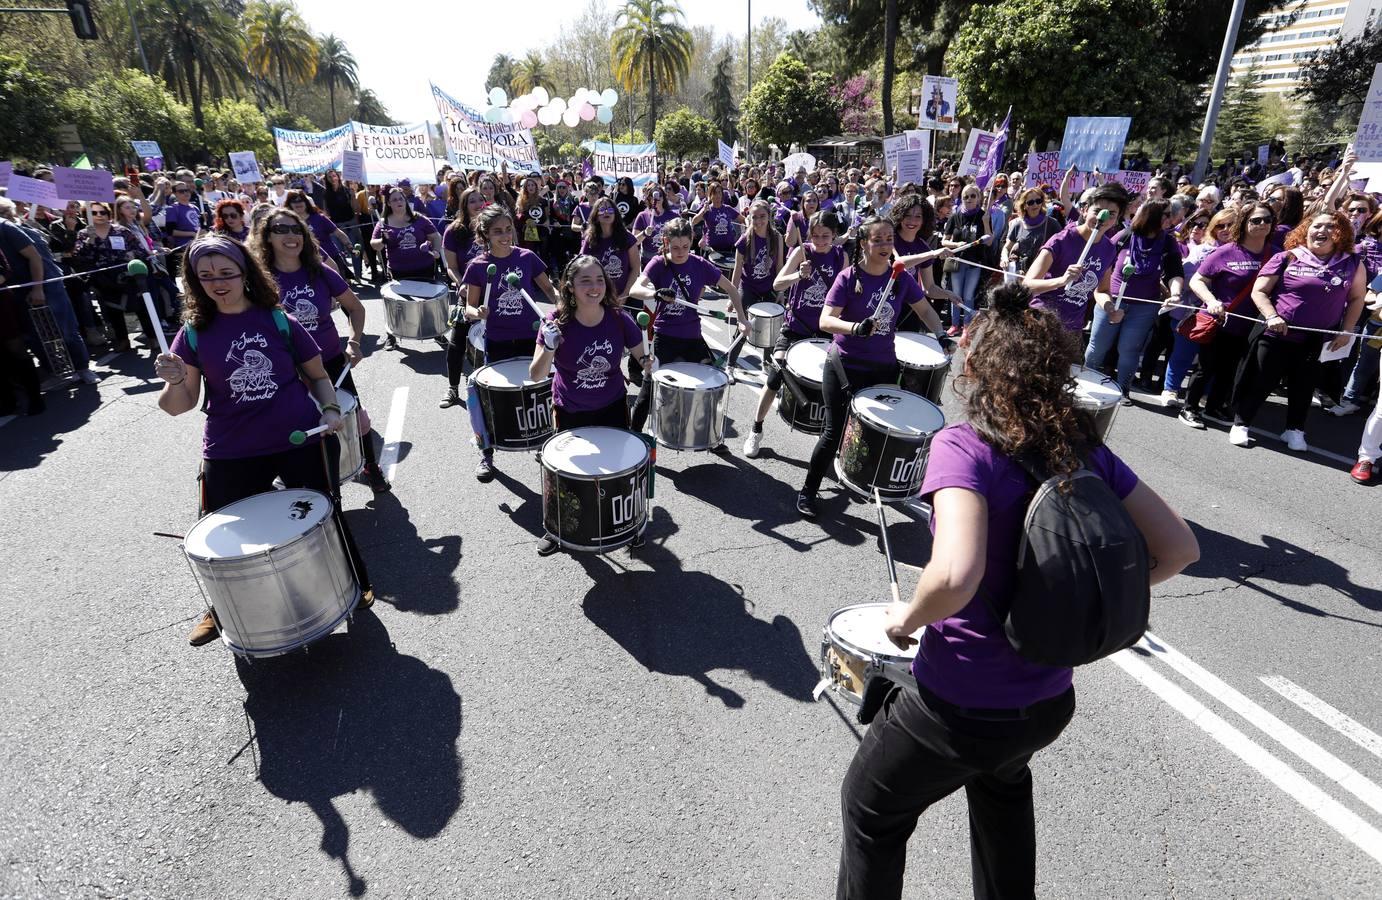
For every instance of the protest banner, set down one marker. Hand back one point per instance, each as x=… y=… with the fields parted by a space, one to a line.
x=1264 y=153
x=977 y=150
x=726 y=153
x=353 y=166
x=939 y=100
x=245 y=166
x=146 y=149
x=84 y=184
x=33 y=190
x=395 y=152
x=1367 y=143
x=614 y=161
x=1135 y=182
x=6 y=170
x=473 y=143
x=793 y=164
x=1043 y=168
x=911 y=166
x=1094 y=142
x=316 y=152
x=893 y=144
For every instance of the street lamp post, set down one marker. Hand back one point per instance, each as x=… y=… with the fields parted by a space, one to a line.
x=1216 y=96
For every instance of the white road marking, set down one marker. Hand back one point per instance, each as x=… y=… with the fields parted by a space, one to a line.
x=393 y=432
x=1328 y=764
x=1330 y=811
x=1355 y=731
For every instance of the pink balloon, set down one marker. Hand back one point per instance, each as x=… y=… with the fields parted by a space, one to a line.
x=528 y=119
x=587 y=112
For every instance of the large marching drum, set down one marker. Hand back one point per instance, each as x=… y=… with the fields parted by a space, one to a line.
x=690 y=402
x=924 y=364
x=806 y=362
x=594 y=488
x=274 y=569
x=886 y=439
x=854 y=647
x=517 y=410
x=1099 y=394
x=416 y=310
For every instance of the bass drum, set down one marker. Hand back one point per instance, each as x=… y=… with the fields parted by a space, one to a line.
x=594 y=488
x=806 y=362
x=1096 y=392
x=416 y=310
x=854 y=646
x=517 y=410
x=924 y=364
x=691 y=401
x=886 y=439
x=273 y=568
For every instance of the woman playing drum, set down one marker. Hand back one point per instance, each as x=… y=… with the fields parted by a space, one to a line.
x=253 y=358
x=459 y=247
x=608 y=240
x=584 y=338
x=412 y=242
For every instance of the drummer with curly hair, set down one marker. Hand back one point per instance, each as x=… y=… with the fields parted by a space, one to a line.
x=238 y=342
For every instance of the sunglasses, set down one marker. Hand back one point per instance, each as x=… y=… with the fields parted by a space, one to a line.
x=1196 y=225
x=1034 y=203
x=101 y=212
x=182 y=191
x=1258 y=220
x=285 y=228
x=1357 y=210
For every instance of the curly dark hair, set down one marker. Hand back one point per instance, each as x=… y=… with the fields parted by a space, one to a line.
x=198 y=309
x=1018 y=385
x=308 y=256
x=566 y=298
x=908 y=202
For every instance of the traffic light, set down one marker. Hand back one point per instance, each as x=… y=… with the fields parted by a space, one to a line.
x=83 y=21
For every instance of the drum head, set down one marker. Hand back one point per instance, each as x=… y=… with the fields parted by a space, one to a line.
x=477 y=335
x=345 y=400
x=416 y=290
x=690 y=377
x=806 y=359
x=510 y=374
x=860 y=627
x=1094 y=390
x=767 y=310
x=597 y=450
x=898 y=412
x=919 y=351
x=257 y=523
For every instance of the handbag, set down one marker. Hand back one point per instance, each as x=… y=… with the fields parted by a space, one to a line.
x=1202 y=327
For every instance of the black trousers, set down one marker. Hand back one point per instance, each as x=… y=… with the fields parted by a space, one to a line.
x=333 y=371
x=919 y=750
x=668 y=349
x=837 y=395
x=311 y=467
x=1219 y=362
x=1269 y=360
x=776 y=360
x=615 y=415
x=115 y=299
x=455 y=351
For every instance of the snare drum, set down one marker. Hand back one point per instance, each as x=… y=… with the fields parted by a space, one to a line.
x=854 y=646
x=273 y=568
x=806 y=365
x=924 y=363
x=352 y=461
x=594 y=488
x=1099 y=394
x=886 y=439
x=691 y=401
x=475 y=345
x=765 y=324
x=417 y=310
x=517 y=410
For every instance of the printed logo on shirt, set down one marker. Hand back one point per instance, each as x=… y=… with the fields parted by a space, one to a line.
x=1078 y=293
x=885 y=314
x=593 y=366
x=614 y=266
x=298 y=301
x=760 y=265
x=407 y=239
x=253 y=379
x=722 y=225
x=623 y=208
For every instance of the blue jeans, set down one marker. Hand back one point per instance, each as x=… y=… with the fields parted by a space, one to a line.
x=66 y=318
x=1183 y=353
x=964 y=282
x=1364 y=370
x=1129 y=336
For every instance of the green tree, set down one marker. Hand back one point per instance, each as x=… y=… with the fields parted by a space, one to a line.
x=719 y=100
x=279 y=45
x=1337 y=79
x=336 y=68
x=651 y=43
x=29 y=109
x=278 y=117
x=528 y=73
x=789 y=104
x=234 y=125
x=683 y=134
x=501 y=72
x=127 y=105
x=372 y=110
x=196 y=46
x=1242 y=123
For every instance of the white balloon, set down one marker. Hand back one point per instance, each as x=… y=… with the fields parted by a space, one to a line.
x=497 y=97
x=559 y=104
x=572 y=116
x=506 y=116
x=541 y=96
x=492 y=114
x=609 y=97
x=548 y=116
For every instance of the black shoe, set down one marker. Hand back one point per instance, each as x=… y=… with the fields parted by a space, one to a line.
x=484 y=469
x=547 y=546
x=1126 y=401
x=390 y=343
x=441 y=341
x=806 y=505
x=1222 y=413
x=374 y=476
x=451 y=399
x=1192 y=418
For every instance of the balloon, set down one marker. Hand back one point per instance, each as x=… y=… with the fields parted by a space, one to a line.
x=528 y=119
x=541 y=96
x=559 y=104
x=572 y=117
x=506 y=116
x=497 y=97
x=609 y=97
x=492 y=114
x=587 y=112
x=605 y=115
x=575 y=101
x=544 y=116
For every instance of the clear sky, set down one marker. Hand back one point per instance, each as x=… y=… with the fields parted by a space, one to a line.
x=400 y=44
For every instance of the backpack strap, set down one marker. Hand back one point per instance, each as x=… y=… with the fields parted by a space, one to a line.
x=281 y=320
x=191 y=333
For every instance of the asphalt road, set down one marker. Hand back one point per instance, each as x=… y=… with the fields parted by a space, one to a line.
x=642 y=724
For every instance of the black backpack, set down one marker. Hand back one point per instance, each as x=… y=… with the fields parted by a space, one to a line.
x=1082 y=590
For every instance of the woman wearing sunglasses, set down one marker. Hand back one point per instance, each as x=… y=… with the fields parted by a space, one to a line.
x=1196 y=238
x=1029 y=230
x=607 y=240
x=104 y=244
x=229 y=219
x=411 y=242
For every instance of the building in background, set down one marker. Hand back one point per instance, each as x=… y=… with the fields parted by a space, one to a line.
x=1296 y=33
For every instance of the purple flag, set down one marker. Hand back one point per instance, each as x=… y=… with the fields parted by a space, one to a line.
x=587 y=168
x=995 y=157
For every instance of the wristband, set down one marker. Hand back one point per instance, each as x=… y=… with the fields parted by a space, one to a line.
x=331 y=407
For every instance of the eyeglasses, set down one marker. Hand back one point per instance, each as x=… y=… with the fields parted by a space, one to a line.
x=1222 y=227
x=285 y=228
x=1034 y=203
x=1198 y=225
x=1259 y=220
x=101 y=212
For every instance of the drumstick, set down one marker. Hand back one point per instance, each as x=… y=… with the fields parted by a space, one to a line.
x=513 y=280
x=888 y=291
x=1093 y=236
x=1123 y=288
x=341 y=377
x=644 y=320
x=887 y=548
x=138 y=270
x=298 y=438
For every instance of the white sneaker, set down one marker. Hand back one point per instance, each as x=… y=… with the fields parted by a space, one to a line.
x=1169 y=398
x=1344 y=408
x=1295 y=439
x=752 y=443
x=88 y=377
x=1239 y=436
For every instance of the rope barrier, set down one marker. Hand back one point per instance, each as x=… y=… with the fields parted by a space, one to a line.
x=167 y=252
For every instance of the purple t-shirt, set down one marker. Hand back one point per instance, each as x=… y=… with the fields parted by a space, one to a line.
x=181 y=217
x=759 y=268
x=691 y=278
x=1229 y=269
x=719 y=227
x=308 y=300
x=587 y=375
x=409 y=249
x=254 y=398
x=903 y=247
x=646 y=221
x=1310 y=292
x=1147 y=256
x=1370 y=249
x=1070 y=302
x=461 y=241
x=613 y=255
x=806 y=297
x=966 y=659
x=857 y=305
x=510 y=316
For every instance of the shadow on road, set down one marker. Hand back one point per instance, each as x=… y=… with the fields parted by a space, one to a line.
x=687 y=623
x=29 y=439
x=396 y=554
x=355 y=714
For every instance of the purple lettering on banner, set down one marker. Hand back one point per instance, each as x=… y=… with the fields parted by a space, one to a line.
x=33 y=190
x=83 y=184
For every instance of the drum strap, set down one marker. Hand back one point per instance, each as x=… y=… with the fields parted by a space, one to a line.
x=833 y=360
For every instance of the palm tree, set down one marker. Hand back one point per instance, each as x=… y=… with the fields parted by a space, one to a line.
x=336 y=66
x=196 y=46
x=501 y=72
x=651 y=41
x=279 y=43
x=370 y=109
x=528 y=73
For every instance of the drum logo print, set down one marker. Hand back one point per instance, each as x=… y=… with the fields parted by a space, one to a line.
x=592 y=372
x=904 y=469
x=299 y=509
x=254 y=378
